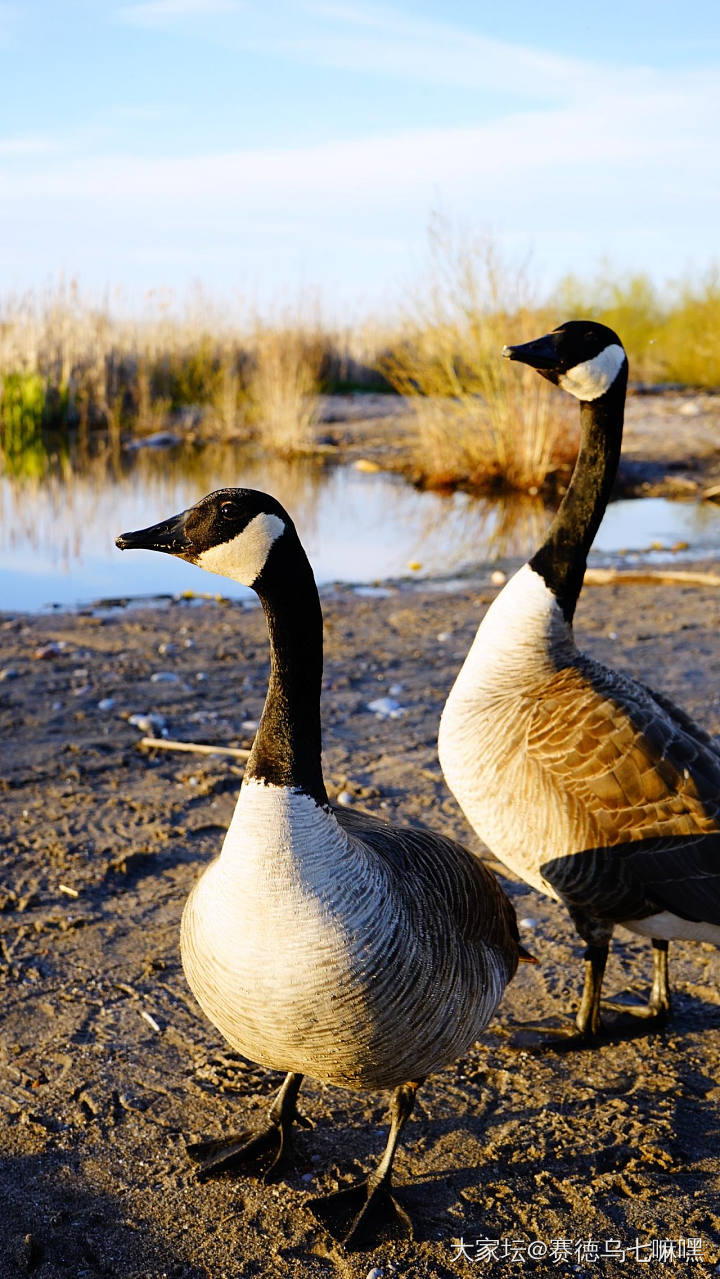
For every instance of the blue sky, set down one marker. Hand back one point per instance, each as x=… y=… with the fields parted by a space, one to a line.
x=273 y=150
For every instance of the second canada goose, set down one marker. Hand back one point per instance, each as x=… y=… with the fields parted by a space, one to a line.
x=590 y=786
x=322 y=940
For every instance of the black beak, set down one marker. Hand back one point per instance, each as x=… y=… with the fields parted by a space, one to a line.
x=168 y=536
x=540 y=354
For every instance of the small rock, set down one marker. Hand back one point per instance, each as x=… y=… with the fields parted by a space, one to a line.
x=442 y=637
x=527 y=922
x=200 y=676
x=385 y=708
x=46 y=651
x=364 y=464
x=414 y=566
x=377 y=1272
x=149 y=723
x=164 y=677
x=497 y=577
x=8 y=672
x=106 y=704
x=167 y=649
x=249 y=726
x=395 y=689
x=345 y=798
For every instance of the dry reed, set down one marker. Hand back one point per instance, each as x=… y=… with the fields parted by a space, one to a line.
x=477 y=421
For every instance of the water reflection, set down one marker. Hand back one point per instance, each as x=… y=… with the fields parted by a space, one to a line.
x=58 y=527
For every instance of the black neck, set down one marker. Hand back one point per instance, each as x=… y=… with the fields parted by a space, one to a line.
x=287 y=747
x=562 y=558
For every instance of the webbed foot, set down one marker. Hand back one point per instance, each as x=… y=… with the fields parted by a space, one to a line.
x=356 y=1215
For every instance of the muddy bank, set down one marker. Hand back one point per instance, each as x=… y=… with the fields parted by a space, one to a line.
x=107 y=1065
x=671 y=441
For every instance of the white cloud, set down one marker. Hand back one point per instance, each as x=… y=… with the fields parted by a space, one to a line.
x=159 y=13
x=27 y=146
x=619 y=161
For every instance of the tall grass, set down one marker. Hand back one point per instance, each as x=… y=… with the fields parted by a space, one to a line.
x=69 y=365
x=477 y=421
x=671 y=335
x=198 y=372
x=283 y=381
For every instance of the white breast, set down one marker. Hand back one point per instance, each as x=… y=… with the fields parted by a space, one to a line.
x=520 y=644
x=301 y=951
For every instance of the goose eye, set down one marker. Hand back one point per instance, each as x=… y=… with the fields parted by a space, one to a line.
x=227 y=510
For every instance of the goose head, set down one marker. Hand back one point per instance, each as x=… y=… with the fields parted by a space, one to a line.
x=233 y=532
x=581 y=356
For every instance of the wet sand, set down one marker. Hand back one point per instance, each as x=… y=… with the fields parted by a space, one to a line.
x=107 y=1065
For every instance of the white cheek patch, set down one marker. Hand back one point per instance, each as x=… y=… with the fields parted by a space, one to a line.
x=244 y=557
x=592 y=379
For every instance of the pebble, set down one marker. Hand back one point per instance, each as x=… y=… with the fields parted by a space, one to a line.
x=164 y=677
x=46 y=651
x=168 y=649
x=107 y=704
x=377 y=1272
x=395 y=689
x=8 y=672
x=149 y=723
x=497 y=577
x=527 y=922
x=385 y=708
x=442 y=637
x=345 y=798
x=200 y=676
x=249 y=726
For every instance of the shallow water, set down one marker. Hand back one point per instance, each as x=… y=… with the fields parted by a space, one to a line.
x=57 y=533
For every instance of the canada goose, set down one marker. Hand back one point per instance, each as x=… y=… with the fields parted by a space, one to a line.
x=590 y=786
x=324 y=941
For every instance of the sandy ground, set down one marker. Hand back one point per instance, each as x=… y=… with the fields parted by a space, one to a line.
x=107 y=1065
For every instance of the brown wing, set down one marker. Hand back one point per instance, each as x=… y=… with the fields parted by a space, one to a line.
x=455 y=882
x=645 y=783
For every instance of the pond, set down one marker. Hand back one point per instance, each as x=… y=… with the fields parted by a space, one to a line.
x=58 y=532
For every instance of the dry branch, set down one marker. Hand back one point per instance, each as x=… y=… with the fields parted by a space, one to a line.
x=644 y=576
x=199 y=748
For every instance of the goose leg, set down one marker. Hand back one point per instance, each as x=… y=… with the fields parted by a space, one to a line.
x=658 y=1005
x=588 y=1014
x=368 y=1203
x=217 y=1155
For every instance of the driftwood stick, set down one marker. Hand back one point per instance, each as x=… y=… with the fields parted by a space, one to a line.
x=199 y=748
x=670 y=576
